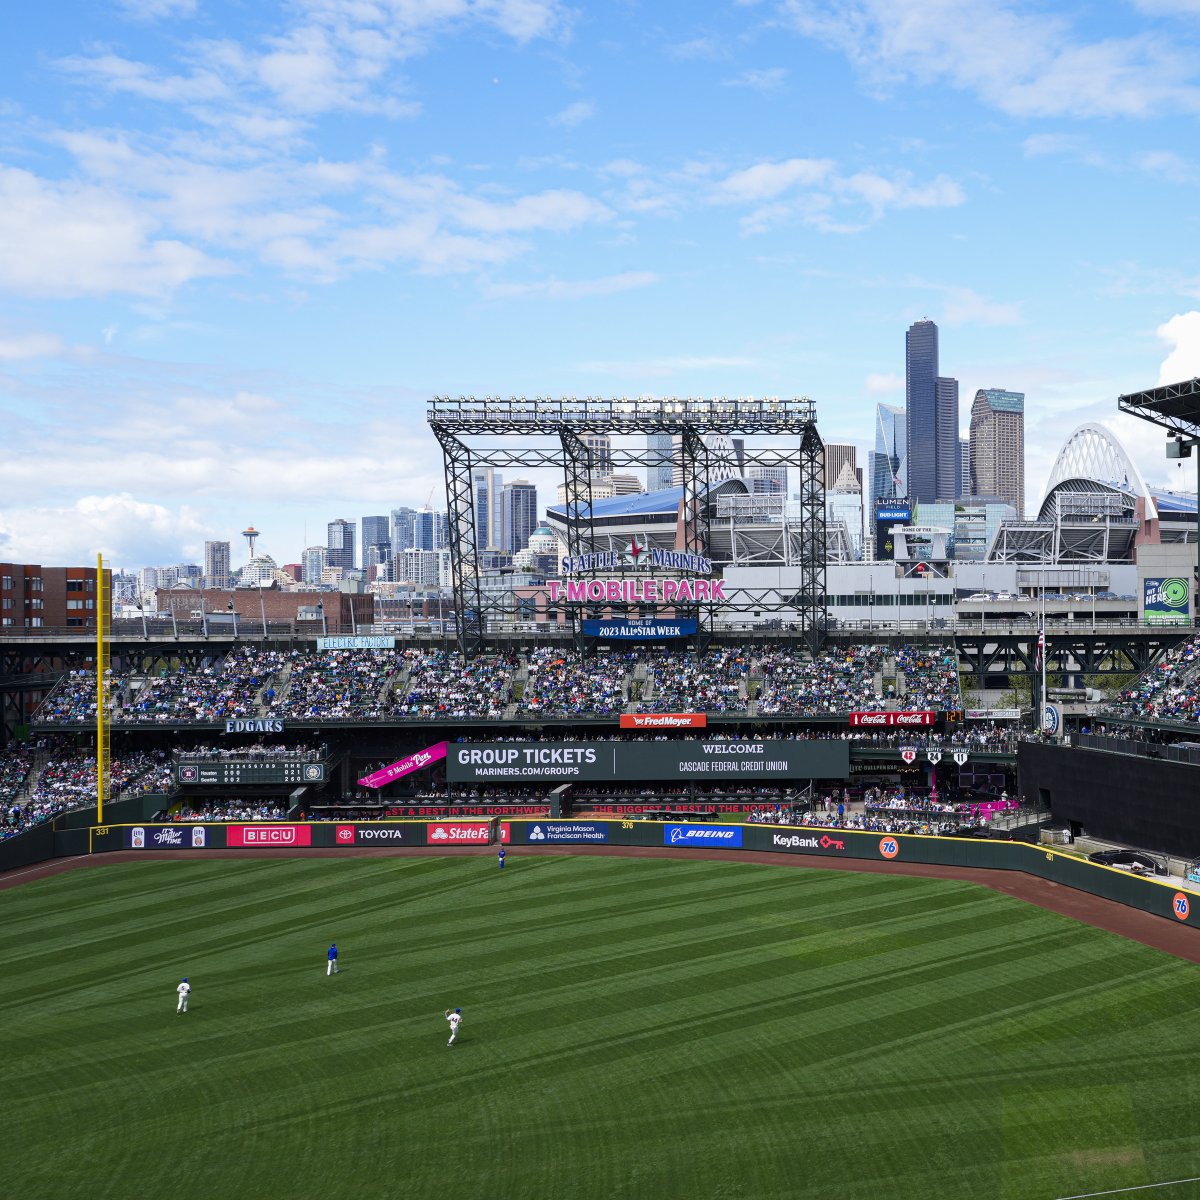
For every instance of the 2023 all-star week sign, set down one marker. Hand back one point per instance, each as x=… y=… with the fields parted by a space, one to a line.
x=734 y=761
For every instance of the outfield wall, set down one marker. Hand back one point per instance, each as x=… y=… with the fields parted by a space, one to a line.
x=831 y=846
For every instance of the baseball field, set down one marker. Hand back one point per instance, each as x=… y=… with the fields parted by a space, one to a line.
x=632 y=1028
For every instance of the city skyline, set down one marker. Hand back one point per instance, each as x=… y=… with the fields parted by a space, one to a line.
x=232 y=272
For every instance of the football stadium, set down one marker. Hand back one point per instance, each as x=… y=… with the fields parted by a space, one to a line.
x=689 y=860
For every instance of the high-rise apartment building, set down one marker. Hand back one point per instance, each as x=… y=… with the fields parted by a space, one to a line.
x=931 y=415
x=837 y=455
x=888 y=462
x=660 y=448
x=485 y=493
x=519 y=512
x=216 y=565
x=600 y=444
x=376 y=531
x=402 y=529
x=339 y=543
x=312 y=564
x=997 y=446
x=34 y=596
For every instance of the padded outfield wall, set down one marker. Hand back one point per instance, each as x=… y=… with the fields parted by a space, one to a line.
x=1150 y=803
x=830 y=846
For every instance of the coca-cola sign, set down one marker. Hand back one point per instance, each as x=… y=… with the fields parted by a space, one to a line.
x=892 y=719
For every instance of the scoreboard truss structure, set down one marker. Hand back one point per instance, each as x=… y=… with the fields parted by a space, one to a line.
x=550 y=433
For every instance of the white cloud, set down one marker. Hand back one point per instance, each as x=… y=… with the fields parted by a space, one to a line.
x=766 y=180
x=577 y=289
x=1182 y=334
x=74 y=239
x=14 y=347
x=966 y=307
x=573 y=114
x=1020 y=62
x=878 y=384
x=766 y=80
x=157 y=10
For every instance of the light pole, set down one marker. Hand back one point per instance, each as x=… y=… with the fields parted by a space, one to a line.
x=233 y=609
x=321 y=610
x=871 y=603
x=142 y=612
x=262 y=608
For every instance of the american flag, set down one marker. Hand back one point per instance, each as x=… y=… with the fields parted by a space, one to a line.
x=1041 y=651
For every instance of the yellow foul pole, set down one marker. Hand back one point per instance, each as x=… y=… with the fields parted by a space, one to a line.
x=102 y=618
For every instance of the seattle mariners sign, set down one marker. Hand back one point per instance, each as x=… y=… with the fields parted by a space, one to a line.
x=638 y=557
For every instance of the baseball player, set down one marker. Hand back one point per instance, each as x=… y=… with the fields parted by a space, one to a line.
x=500 y=856
x=455 y=1019
x=183 y=989
x=331 y=960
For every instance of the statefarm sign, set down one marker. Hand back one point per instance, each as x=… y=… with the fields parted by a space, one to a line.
x=890 y=719
x=636 y=591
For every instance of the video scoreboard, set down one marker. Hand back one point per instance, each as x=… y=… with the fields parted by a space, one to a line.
x=241 y=772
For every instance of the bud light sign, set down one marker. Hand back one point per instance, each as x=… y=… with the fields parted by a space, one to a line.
x=724 y=836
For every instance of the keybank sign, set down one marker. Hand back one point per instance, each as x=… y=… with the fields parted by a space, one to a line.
x=702 y=835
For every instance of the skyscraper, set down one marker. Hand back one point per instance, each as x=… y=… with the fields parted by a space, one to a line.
x=216 y=564
x=485 y=495
x=765 y=481
x=837 y=455
x=519 y=507
x=402 y=529
x=377 y=533
x=964 y=467
x=312 y=564
x=888 y=462
x=339 y=540
x=660 y=448
x=931 y=418
x=997 y=444
x=600 y=444
x=949 y=453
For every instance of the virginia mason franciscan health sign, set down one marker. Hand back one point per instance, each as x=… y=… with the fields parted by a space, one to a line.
x=483 y=762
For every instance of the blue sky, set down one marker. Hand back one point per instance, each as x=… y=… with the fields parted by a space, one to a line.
x=242 y=243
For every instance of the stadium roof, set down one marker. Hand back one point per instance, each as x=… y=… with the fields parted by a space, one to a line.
x=637 y=505
x=1174 y=406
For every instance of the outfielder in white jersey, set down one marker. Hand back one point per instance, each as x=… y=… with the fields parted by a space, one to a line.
x=183 y=989
x=455 y=1019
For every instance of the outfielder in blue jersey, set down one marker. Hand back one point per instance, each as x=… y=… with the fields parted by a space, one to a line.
x=500 y=856
x=331 y=958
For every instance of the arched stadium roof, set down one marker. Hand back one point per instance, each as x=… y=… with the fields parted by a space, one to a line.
x=1092 y=459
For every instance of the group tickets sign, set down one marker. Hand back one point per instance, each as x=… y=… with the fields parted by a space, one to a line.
x=486 y=762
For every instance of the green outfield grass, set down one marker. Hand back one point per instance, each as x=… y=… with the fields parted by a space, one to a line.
x=633 y=1028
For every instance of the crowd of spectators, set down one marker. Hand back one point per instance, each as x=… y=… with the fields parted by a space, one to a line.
x=562 y=684
x=73 y=700
x=231 y=810
x=337 y=685
x=842 y=680
x=1169 y=691
x=714 y=681
x=930 y=679
x=441 y=684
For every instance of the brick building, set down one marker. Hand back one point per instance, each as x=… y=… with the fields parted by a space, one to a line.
x=35 y=597
x=342 y=612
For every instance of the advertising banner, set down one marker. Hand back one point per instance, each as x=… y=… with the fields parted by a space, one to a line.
x=725 y=836
x=406 y=766
x=889 y=720
x=993 y=714
x=484 y=762
x=566 y=831
x=268 y=835
x=1167 y=601
x=664 y=720
x=358 y=641
x=378 y=835
x=166 y=837
x=807 y=842
x=460 y=833
x=639 y=628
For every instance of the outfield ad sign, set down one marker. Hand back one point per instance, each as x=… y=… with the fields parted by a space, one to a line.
x=488 y=762
x=378 y=835
x=725 y=837
x=268 y=835
x=166 y=837
x=416 y=761
x=565 y=831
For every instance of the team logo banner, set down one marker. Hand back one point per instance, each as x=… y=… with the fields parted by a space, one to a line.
x=406 y=766
x=890 y=720
x=702 y=835
x=268 y=835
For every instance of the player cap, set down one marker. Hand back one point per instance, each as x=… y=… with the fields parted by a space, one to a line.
x=458 y=1010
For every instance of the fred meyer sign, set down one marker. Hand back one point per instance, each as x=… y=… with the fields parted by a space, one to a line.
x=484 y=762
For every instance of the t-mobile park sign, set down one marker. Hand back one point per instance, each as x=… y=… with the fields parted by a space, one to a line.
x=635 y=591
x=890 y=719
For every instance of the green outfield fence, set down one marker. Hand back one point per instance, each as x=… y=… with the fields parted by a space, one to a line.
x=829 y=846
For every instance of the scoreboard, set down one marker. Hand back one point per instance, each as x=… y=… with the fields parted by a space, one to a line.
x=240 y=772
